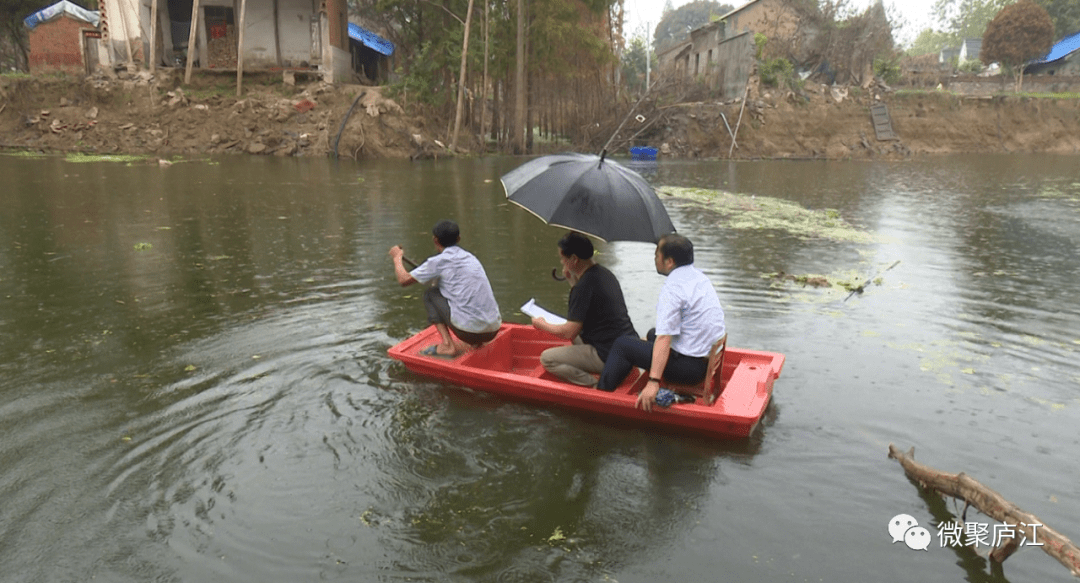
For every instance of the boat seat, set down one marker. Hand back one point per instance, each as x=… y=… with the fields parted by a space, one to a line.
x=711 y=387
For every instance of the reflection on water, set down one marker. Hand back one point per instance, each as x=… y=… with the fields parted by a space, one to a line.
x=194 y=383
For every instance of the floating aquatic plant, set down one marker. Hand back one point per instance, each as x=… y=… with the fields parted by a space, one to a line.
x=26 y=154
x=81 y=158
x=751 y=212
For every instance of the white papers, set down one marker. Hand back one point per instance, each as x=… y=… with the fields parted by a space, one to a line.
x=532 y=310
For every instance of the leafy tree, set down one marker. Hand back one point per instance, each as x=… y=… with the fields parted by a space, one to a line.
x=1019 y=33
x=888 y=68
x=968 y=18
x=964 y=19
x=777 y=72
x=634 y=64
x=568 y=60
x=675 y=25
x=929 y=42
x=1065 y=14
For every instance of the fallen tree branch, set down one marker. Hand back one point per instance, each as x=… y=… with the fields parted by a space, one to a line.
x=630 y=140
x=995 y=506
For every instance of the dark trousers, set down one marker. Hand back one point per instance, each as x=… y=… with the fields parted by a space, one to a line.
x=629 y=352
x=438 y=312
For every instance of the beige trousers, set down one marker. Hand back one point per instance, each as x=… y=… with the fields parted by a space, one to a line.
x=574 y=364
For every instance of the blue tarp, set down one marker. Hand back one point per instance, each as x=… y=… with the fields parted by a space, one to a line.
x=1063 y=48
x=370 y=40
x=62 y=7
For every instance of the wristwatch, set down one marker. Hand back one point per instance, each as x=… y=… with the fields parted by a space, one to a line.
x=654 y=379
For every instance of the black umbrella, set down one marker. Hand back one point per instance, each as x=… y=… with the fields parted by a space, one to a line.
x=590 y=195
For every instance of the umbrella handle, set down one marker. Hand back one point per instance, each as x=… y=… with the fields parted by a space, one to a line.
x=555 y=275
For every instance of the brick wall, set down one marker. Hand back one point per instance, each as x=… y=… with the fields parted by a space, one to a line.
x=57 y=46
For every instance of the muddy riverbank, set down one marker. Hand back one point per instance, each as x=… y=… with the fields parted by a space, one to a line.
x=155 y=115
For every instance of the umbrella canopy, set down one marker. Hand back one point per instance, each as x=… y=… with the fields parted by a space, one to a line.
x=591 y=195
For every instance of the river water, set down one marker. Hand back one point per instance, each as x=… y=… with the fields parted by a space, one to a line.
x=194 y=383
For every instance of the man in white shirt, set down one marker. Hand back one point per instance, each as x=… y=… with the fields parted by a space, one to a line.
x=461 y=300
x=689 y=320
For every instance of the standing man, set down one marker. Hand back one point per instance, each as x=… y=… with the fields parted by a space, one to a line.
x=689 y=320
x=461 y=300
x=595 y=318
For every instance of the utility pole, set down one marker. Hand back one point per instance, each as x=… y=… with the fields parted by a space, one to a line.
x=648 y=54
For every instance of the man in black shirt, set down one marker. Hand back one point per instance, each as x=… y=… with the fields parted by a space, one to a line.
x=595 y=318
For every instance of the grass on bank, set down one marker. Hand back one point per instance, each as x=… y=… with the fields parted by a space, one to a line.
x=1023 y=94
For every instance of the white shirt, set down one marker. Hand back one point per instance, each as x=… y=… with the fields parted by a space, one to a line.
x=464 y=284
x=689 y=311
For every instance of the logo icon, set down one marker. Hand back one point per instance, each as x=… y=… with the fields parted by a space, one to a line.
x=904 y=528
x=917 y=538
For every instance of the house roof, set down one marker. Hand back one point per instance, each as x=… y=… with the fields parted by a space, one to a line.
x=62 y=7
x=1062 y=49
x=739 y=9
x=370 y=40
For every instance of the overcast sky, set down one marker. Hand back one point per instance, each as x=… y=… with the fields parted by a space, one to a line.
x=916 y=12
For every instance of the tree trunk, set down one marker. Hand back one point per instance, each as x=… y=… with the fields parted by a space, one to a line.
x=993 y=505
x=530 y=102
x=519 y=83
x=461 y=78
x=484 y=85
x=496 y=107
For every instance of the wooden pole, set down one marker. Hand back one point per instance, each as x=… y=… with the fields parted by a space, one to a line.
x=729 y=132
x=191 y=41
x=738 y=123
x=995 y=506
x=240 y=49
x=153 y=34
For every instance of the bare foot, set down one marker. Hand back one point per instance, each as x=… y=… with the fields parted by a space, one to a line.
x=447 y=350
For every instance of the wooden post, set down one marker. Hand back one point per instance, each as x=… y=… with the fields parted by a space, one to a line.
x=191 y=41
x=738 y=123
x=240 y=49
x=993 y=505
x=153 y=35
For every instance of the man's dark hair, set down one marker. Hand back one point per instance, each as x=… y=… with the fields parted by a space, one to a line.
x=574 y=243
x=677 y=247
x=447 y=233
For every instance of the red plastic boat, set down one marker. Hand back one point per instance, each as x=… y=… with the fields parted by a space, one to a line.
x=510 y=365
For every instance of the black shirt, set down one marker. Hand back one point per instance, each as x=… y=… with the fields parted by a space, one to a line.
x=597 y=303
